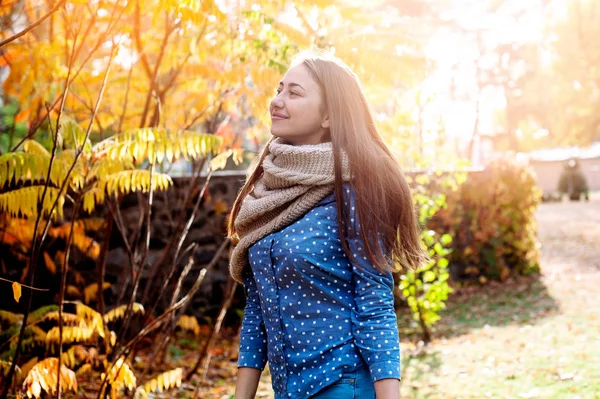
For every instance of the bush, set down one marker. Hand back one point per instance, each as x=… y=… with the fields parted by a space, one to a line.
x=491 y=217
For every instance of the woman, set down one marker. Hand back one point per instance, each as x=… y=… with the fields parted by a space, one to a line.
x=320 y=224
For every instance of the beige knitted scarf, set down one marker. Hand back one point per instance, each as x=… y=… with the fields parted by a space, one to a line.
x=294 y=180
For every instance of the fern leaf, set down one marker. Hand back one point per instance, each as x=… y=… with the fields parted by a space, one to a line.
x=69 y=319
x=75 y=356
x=120 y=376
x=163 y=382
x=156 y=144
x=119 y=312
x=42 y=378
x=73 y=134
x=70 y=335
x=23 y=202
x=33 y=147
x=39 y=313
x=92 y=318
x=16 y=167
x=134 y=180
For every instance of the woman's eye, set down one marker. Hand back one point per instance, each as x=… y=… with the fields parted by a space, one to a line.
x=293 y=93
x=277 y=91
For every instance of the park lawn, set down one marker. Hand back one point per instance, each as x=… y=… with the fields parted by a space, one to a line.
x=537 y=338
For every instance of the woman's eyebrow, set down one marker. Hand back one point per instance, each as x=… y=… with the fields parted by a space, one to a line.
x=292 y=84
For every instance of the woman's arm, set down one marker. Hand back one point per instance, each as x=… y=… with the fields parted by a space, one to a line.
x=247 y=382
x=253 y=343
x=374 y=322
x=388 y=388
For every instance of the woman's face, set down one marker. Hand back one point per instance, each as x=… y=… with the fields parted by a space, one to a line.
x=297 y=110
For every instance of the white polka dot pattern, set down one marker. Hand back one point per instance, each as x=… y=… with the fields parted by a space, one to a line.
x=313 y=314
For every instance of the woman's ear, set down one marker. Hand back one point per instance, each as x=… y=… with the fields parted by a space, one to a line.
x=325 y=122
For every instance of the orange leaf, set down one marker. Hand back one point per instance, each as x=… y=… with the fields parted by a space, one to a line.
x=16 y=291
x=22 y=116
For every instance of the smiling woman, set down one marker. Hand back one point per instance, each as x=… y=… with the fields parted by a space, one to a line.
x=322 y=221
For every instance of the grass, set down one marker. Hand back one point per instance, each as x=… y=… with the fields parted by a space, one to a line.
x=514 y=341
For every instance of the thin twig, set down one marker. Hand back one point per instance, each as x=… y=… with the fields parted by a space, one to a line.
x=25 y=285
x=204 y=356
x=32 y=26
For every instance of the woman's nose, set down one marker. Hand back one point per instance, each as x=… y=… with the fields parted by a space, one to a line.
x=277 y=102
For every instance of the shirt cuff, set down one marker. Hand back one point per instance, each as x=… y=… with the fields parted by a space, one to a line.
x=385 y=369
x=256 y=360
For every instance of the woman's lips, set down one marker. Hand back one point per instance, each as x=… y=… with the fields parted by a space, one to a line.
x=278 y=117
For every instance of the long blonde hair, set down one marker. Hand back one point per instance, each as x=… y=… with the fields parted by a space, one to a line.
x=383 y=201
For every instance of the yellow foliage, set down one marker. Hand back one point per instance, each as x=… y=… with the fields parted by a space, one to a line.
x=119 y=312
x=70 y=335
x=23 y=202
x=68 y=318
x=156 y=145
x=75 y=356
x=120 y=376
x=189 y=323
x=92 y=318
x=43 y=377
x=91 y=291
x=16 y=287
x=163 y=382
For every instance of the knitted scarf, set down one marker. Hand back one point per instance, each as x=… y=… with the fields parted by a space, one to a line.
x=294 y=180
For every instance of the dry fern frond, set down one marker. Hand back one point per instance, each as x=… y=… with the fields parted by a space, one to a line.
x=163 y=382
x=189 y=323
x=119 y=377
x=39 y=313
x=156 y=144
x=42 y=378
x=23 y=202
x=70 y=335
x=91 y=317
x=69 y=319
x=124 y=182
x=75 y=356
x=119 y=312
x=90 y=292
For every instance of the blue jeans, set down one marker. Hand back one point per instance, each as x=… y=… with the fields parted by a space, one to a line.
x=352 y=385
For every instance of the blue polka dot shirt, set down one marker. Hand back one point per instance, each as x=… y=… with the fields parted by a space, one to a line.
x=313 y=314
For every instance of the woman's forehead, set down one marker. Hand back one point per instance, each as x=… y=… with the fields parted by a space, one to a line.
x=299 y=75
